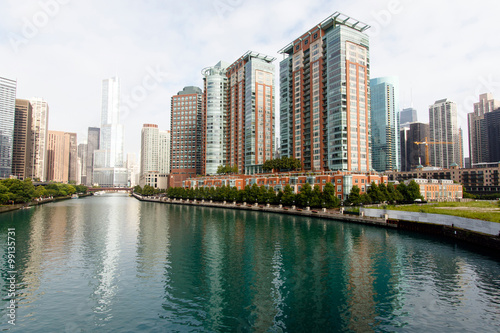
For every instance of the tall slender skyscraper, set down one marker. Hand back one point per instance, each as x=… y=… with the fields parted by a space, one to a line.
x=82 y=163
x=21 y=156
x=39 y=136
x=444 y=134
x=164 y=152
x=325 y=96
x=93 y=139
x=61 y=157
x=149 y=148
x=384 y=127
x=478 y=140
x=7 y=117
x=108 y=160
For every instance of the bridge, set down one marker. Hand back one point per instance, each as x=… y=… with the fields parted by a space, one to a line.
x=110 y=189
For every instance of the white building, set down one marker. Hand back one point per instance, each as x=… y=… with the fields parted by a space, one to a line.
x=39 y=137
x=444 y=147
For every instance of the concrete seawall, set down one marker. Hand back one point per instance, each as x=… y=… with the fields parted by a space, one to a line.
x=380 y=219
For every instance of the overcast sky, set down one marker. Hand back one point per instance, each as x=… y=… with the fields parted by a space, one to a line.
x=61 y=50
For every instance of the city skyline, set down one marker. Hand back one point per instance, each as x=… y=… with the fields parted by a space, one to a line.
x=60 y=48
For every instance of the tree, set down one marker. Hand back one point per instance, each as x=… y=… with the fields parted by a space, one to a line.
x=304 y=197
x=316 y=197
x=403 y=189
x=366 y=199
x=414 y=191
x=288 y=195
x=138 y=189
x=329 y=196
x=354 y=197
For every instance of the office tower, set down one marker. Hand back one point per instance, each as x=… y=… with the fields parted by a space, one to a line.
x=492 y=120
x=384 y=126
x=444 y=140
x=93 y=139
x=185 y=125
x=149 y=148
x=406 y=116
x=214 y=120
x=412 y=154
x=7 y=117
x=61 y=157
x=21 y=153
x=164 y=151
x=325 y=96
x=82 y=166
x=478 y=142
x=108 y=160
x=39 y=134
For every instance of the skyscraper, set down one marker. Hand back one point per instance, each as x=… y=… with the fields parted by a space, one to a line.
x=93 y=139
x=61 y=157
x=214 y=120
x=478 y=141
x=39 y=136
x=149 y=148
x=412 y=154
x=325 y=96
x=384 y=127
x=7 y=117
x=185 y=148
x=155 y=156
x=164 y=151
x=406 y=116
x=444 y=134
x=22 y=152
x=108 y=160
x=492 y=120
x=82 y=166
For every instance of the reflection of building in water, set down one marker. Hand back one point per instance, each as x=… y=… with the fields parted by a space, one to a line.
x=360 y=285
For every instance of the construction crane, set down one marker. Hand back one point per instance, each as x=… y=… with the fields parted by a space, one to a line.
x=427 y=143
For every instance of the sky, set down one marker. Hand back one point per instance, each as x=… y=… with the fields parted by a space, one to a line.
x=61 y=50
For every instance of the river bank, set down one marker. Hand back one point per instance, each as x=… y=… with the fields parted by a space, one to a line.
x=461 y=234
x=10 y=208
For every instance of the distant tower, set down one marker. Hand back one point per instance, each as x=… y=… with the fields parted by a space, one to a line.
x=39 y=137
x=93 y=140
x=406 y=116
x=444 y=128
x=22 y=152
x=384 y=127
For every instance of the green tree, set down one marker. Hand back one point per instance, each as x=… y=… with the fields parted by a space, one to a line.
x=366 y=199
x=329 y=196
x=138 y=189
x=403 y=190
x=304 y=197
x=316 y=197
x=354 y=197
x=288 y=196
x=413 y=191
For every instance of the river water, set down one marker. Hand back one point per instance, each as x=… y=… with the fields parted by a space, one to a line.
x=115 y=264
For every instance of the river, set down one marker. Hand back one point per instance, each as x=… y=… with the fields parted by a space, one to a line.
x=115 y=264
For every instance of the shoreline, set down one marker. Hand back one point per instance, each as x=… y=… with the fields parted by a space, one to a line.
x=449 y=232
x=11 y=208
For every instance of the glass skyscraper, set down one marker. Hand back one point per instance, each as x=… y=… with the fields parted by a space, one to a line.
x=384 y=127
x=325 y=96
x=7 y=117
x=108 y=160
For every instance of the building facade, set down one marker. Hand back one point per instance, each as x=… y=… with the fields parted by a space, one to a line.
x=438 y=190
x=492 y=120
x=384 y=127
x=7 y=117
x=342 y=181
x=109 y=167
x=412 y=154
x=39 y=137
x=62 y=157
x=478 y=133
x=186 y=129
x=93 y=140
x=164 y=152
x=325 y=96
x=82 y=163
x=149 y=148
x=22 y=144
x=444 y=149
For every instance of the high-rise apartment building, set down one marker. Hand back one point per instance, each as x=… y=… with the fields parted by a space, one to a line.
x=214 y=120
x=384 y=126
x=149 y=148
x=93 y=139
x=444 y=134
x=7 y=117
x=325 y=96
x=109 y=169
x=492 y=120
x=478 y=141
x=22 y=152
x=61 y=157
x=164 y=151
x=39 y=136
x=412 y=154
x=406 y=116
x=185 y=133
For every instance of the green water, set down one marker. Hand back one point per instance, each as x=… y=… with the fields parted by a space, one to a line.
x=114 y=264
